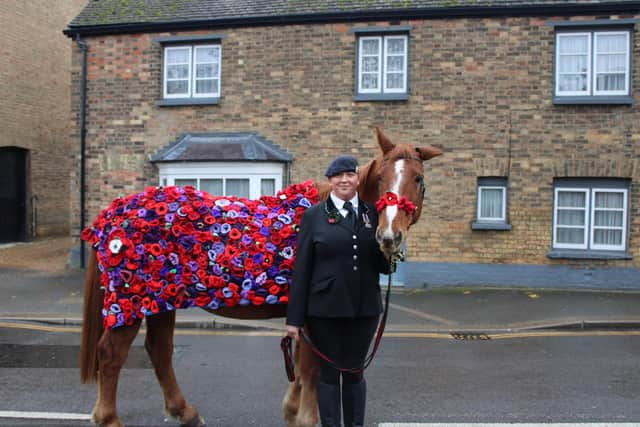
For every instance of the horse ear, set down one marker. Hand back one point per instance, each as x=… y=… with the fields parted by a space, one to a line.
x=385 y=144
x=428 y=152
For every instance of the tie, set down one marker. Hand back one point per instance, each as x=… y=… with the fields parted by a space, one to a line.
x=351 y=215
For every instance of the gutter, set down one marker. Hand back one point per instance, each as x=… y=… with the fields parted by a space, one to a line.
x=83 y=136
x=460 y=12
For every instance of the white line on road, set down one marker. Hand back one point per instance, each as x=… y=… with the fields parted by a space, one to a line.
x=509 y=424
x=44 y=415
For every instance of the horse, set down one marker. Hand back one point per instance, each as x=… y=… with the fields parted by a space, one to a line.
x=394 y=181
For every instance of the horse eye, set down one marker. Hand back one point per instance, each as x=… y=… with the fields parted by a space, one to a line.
x=419 y=179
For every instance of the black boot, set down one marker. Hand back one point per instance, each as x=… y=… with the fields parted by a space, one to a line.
x=329 y=404
x=354 y=397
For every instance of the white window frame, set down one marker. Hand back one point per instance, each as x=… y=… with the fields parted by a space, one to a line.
x=169 y=172
x=503 y=215
x=385 y=71
x=382 y=64
x=556 y=244
x=167 y=49
x=595 y=64
x=593 y=227
x=191 y=92
x=591 y=70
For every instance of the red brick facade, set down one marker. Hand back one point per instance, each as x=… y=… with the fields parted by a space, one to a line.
x=480 y=89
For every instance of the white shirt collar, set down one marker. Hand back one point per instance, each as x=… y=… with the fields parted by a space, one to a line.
x=339 y=203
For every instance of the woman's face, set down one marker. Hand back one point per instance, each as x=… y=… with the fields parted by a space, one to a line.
x=344 y=185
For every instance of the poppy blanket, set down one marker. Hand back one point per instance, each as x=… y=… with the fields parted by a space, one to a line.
x=178 y=247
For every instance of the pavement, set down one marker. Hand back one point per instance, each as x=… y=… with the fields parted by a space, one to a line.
x=37 y=287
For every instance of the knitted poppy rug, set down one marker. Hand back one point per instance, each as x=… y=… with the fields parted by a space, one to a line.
x=178 y=247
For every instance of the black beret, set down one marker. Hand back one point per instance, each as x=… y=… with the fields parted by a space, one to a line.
x=342 y=164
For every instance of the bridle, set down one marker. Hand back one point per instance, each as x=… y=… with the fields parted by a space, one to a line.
x=419 y=179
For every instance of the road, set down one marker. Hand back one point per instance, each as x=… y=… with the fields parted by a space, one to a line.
x=237 y=379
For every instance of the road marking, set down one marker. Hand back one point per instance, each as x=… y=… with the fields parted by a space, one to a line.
x=424 y=335
x=508 y=424
x=44 y=415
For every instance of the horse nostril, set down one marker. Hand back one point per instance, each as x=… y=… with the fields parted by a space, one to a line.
x=397 y=239
x=378 y=236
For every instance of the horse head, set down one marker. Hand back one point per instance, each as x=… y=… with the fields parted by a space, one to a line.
x=395 y=182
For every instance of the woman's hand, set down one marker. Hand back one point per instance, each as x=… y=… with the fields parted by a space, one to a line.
x=293 y=332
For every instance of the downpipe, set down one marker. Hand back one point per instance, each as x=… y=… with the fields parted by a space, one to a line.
x=83 y=133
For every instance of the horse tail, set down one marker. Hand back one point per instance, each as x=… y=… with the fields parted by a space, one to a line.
x=92 y=326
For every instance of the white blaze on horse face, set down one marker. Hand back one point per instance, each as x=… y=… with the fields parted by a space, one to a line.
x=392 y=211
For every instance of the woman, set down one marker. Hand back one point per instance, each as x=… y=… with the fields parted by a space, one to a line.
x=335 y=290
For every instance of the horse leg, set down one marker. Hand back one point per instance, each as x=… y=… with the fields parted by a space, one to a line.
x=113 y=349
x=300 y=404
x=159 y=345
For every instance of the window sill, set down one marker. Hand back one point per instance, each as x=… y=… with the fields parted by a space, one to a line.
x=580 y=254
x=176 y=102
x=592 y=100
x=495 y=226
x=381 y=97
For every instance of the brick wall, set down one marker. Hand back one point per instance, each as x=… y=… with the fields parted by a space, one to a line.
x=35 y=93
x=480 y=90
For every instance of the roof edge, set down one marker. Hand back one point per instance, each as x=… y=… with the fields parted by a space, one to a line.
x=386 y=14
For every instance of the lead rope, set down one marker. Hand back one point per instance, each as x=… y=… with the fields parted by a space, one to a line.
x=381 y=326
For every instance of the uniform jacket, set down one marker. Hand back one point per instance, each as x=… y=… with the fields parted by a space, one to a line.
x=336 y=272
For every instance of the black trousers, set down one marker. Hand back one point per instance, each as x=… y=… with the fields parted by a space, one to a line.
x=345 y=341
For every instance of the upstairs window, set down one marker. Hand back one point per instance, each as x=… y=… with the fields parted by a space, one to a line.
x=382 y=63
x=593 y=66
x=192 y=71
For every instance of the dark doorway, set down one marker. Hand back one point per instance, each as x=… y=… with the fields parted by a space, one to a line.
x=13 y=194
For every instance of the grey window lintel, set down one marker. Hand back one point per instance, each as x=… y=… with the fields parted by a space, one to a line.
x=593 y=23
x=491 y=226
x=390 y=29
x=593 y=100
x=189 y=39
x=585 y=254
x=176 y=102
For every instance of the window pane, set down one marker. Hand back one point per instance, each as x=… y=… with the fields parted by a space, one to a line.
x=394 y=81
x=609 y=200
x=267 y=187
x=206 y=86
x=610 y=82
x=570 y=235
x=370 y=64
x=573 y=64
x=177 y=71
x=237 y=187
x=395 y=63
x=611 y=43
x=205 y=70
x=183 y=182
x=571 y=217
x=370 y=81
x=177 y=87
x=612 y=63
x=178 y=56
x=607 y=237
x=608 y=218
x=573 y=83
x=212 y=186
x=370 y=47
x=570 y=199
x=395 y=45
x=573 y=44
x=209 y=54
x=490 y=203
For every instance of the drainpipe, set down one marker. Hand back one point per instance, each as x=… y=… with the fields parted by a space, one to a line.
x=83 y=133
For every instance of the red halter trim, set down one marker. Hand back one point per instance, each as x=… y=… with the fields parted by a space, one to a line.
x=391 y=199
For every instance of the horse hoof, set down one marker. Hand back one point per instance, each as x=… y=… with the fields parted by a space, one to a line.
x=196 y=421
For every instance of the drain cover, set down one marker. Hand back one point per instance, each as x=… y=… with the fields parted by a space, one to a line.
x=470 y=336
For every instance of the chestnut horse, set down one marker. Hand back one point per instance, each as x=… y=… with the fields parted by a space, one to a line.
x=394 y=181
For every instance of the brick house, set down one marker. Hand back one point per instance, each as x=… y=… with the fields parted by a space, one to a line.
x=533 y=103
x=34 y=143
